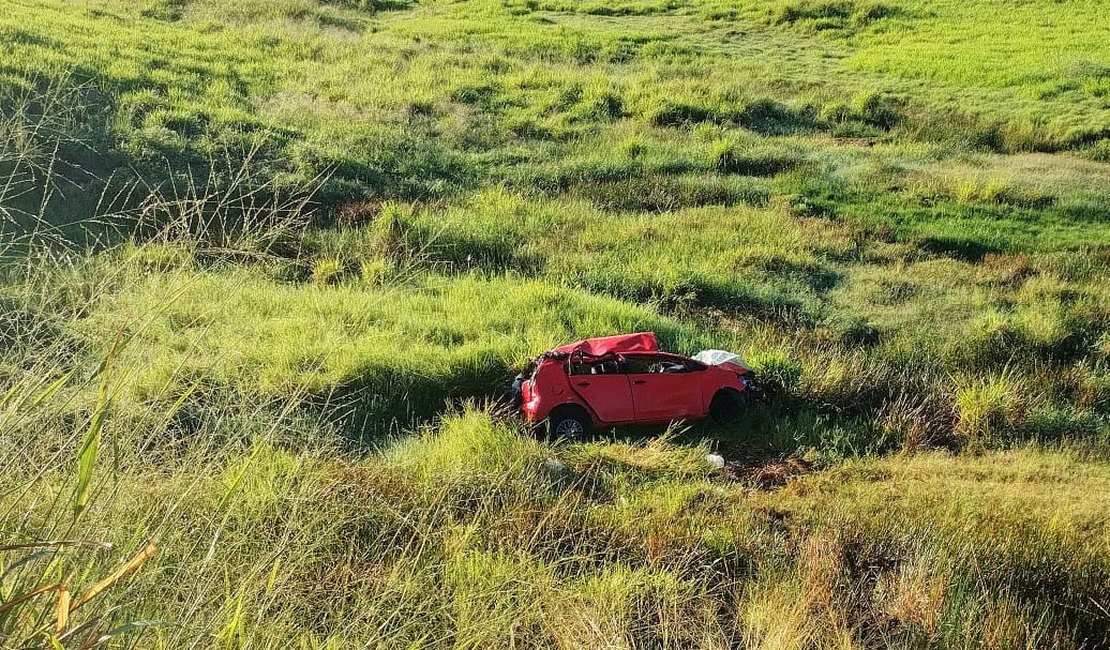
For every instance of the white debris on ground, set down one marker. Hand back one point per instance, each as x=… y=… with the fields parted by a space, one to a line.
x=716 y=460
x=555 y=466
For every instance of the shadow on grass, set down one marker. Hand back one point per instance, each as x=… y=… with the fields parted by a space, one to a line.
x=763 y=116
x=390 y=402
x=965 y=250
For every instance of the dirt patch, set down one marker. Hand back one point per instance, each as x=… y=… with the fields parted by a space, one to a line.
x=854 y=142
x=769 y=474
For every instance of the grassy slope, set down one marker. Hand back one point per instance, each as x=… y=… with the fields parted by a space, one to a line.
x=468 y=536
x=909 y=245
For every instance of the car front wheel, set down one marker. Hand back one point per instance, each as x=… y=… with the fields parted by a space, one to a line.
x=726 y=406
x=570 y=425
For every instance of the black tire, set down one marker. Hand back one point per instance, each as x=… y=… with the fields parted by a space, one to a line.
x=568 y=423
x=726 y=406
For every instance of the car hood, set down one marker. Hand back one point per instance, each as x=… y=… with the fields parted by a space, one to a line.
x=639 y=342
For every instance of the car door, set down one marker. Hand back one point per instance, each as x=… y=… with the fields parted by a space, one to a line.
x=603 y=386
x=663 y=388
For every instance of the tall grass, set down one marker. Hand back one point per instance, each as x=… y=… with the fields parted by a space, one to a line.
x=466 y=534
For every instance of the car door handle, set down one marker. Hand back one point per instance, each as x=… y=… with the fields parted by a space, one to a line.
x=638 y=381
x=583 y=383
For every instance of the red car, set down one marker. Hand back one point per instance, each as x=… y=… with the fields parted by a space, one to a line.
x=627 y=379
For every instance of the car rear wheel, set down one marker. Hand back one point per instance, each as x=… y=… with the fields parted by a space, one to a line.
x=570 y=424
x=726 y=406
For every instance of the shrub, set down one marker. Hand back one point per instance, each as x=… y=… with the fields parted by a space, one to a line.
x=837 y=111
x=876 y=108
x=913 y=419
x=604 y=105
x=632 y=148
x=158 y=258
x=663 y=193
x=385 y=234
x=729 y=158
x=1053 y=425
x=989 y=409
x=854 y=332
x=835 y=380
x=327 y=270
x=1099 y=151
x=370 y=5
x=870 y=12
x=375 y=271
x=1102 y=345
x=777 y=372
x=165 y=9
x=793 y=12
x=764 y=115
x=1093 y=391
x=683 y=114
x=771 y=117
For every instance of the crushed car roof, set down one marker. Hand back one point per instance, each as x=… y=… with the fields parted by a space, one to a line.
x=639 y=342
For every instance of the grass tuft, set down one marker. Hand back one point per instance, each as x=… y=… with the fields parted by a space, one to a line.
x=990 y=409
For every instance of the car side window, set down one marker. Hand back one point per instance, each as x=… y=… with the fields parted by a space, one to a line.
x=671 y=366
x=654 y=365
x=594 y=367
x=638 y=365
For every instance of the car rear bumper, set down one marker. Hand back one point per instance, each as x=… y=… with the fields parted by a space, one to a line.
x=530 y=404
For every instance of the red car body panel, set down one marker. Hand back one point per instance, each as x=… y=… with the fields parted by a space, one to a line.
x=659 y=396
x=626 y=379
x=610 y=397
x=638 y=342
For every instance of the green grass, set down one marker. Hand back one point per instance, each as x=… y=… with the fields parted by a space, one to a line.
x=267 y=267
x=395 y=102
x=461 y=336
x=993 y=53
x=465 y=536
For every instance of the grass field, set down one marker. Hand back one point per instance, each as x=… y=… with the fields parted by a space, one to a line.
x=267 y=267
